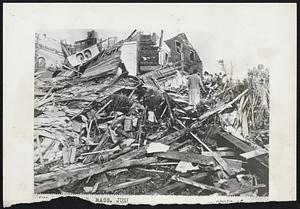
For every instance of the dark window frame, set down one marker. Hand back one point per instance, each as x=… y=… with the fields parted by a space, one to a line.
x=176 y=46
x=192 y=56
x=87 y=53
x=80 y=57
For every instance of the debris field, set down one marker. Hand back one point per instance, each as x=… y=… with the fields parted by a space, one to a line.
x=108 y=132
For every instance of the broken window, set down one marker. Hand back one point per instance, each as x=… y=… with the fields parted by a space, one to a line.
x=192 y=56
x=87 y=53
x=178 y=47
x=166 y=57
x=80 y=57
x=41 y=63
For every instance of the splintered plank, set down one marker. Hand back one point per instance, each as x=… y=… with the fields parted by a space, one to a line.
x=224 y=164
x=55 y=180
x=215 y=110
x=187 y=157
x=217 y=157
x=40 y=151
x=243 y=147
x=173 y=137
x=156 y=135
x=126 y=184
x=200 y=185
x=104 y=138
x=247 y=189
x=253 y=153
x=258 y=164
x=179 y=185
x=151 y=170
x=236 y=165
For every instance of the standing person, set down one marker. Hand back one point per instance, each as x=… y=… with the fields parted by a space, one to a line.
x=194 y=85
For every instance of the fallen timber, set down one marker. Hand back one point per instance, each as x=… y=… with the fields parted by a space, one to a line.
x=259 y=164
x=64 y=178
x=55 y=180
x=99 y=131
x=52 y=181
x=179 y=185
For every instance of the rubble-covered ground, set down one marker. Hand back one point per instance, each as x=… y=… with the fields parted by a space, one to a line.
x=117 y=135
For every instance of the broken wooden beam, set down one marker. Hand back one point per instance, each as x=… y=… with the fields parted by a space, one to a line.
x=57 y=179
x=200 y=185
x=254 y=153
x=141 y=123
x=125 y=160
x=152 y=170
x=178 y=185
x=103 y=140
x=156 y=135
x=215 y=155
x=126 y=184
x=187 y=157
x=215 y=110
x=40 y=150
x=123 y=133
x=168 y=139
x=169 y=107
x=246 y=189
x=258 y=165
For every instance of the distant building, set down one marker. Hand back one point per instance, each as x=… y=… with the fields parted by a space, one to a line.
x=182 y=50
x=139 y=54
x=48 y=53
x=147 y=52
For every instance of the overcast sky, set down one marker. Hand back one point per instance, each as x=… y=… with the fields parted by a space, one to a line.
x=244 y=34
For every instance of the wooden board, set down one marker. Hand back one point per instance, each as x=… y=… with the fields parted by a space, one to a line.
x=127 y=184
x=254 y=153
x=57 y=179
x=185 y=156
x=178 y=185
x=258 y=165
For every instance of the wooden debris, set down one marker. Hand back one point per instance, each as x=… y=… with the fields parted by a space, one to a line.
x=179 y=185
x=247 y=189
x=64 y=178
x=40 y=151
x=44 y=101
x=101 y=152
x=187 y=157
x=184 y=167
x=200 y=185
x=95 y=121
x=259 y=164
x=103 y=139
x=215 y=155
x=127 y=184
x=151 y=170
x=163 y=164
x=127 y=124
x=116 y=171
x=254 y=153
x=233 y=184
x=157 y=147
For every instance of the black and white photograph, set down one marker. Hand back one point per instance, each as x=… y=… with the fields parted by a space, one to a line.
x=143 y=115
x=178 y=103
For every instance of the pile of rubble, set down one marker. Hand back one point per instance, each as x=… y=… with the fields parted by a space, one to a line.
x=121 y=134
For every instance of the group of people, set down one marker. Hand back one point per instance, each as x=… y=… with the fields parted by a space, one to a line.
x=208 y=83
